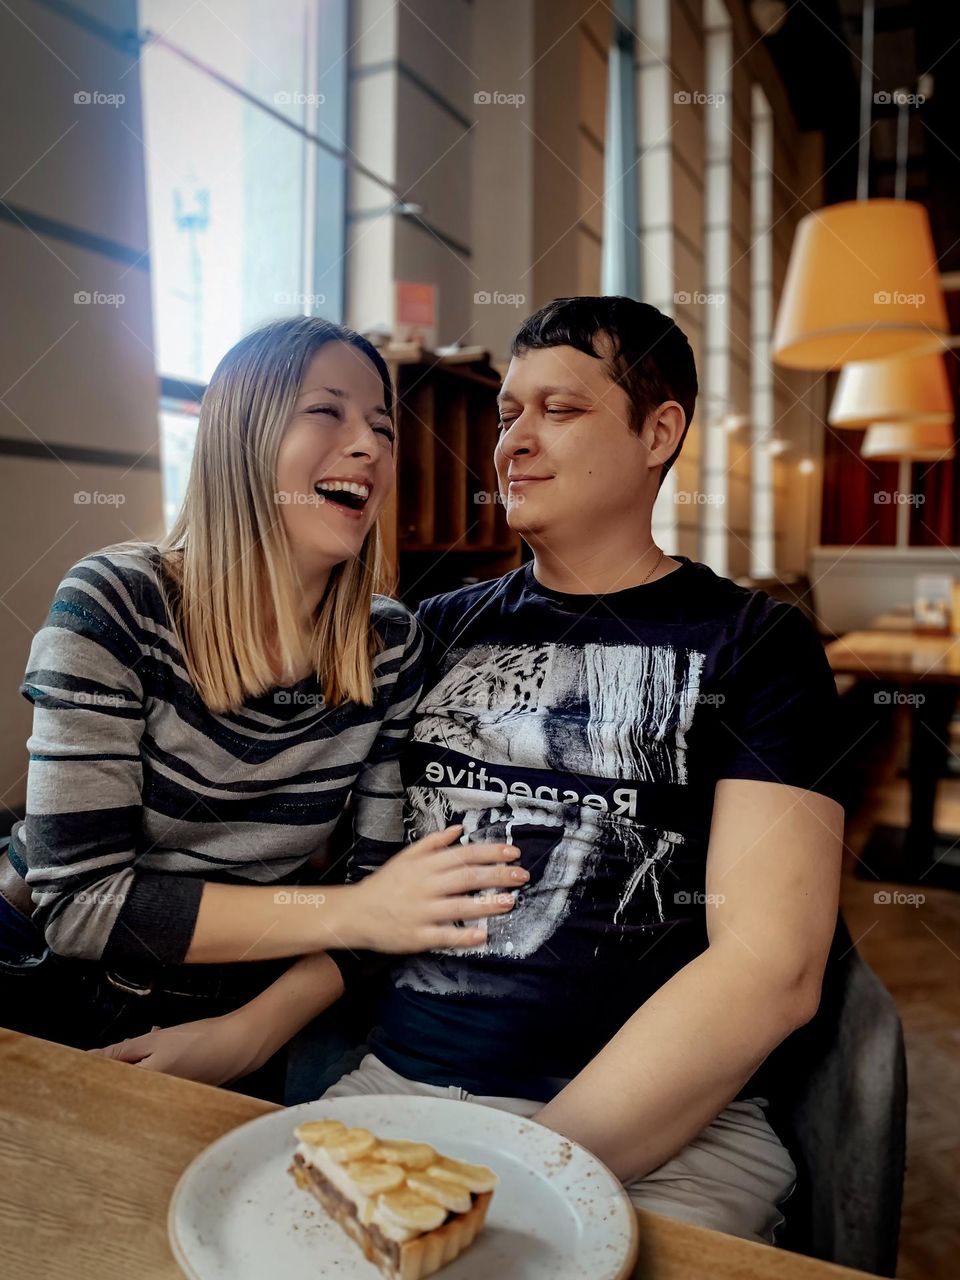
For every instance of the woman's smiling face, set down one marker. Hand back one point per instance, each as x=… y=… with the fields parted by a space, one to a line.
x=335 y=465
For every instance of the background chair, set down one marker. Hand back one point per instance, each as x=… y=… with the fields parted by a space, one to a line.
x=845 y=1120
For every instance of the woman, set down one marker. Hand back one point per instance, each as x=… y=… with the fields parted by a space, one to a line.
x=205 y=709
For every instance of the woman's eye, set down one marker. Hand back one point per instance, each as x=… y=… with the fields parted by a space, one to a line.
x=389 y=432
x=325 y=408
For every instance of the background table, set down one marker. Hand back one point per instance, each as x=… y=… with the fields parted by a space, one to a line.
x=929 y=668
x=91 y=1151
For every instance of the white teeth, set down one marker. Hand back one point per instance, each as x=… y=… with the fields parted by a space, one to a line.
x=345 y=486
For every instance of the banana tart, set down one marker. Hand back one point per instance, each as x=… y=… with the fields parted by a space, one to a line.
x=410 y=1209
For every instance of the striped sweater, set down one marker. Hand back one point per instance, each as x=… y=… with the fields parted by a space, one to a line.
x=137 y=793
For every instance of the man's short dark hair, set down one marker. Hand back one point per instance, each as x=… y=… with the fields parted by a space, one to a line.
x=647 y=353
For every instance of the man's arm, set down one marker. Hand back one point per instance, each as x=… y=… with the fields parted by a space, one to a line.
x=773 y=875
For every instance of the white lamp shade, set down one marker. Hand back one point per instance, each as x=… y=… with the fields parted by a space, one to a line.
x=908 y=389
x=862 y=284
x=910 y=442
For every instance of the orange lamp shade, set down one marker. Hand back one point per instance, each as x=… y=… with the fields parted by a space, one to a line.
x=862 y=283
x=909 y=442
x=907 y=389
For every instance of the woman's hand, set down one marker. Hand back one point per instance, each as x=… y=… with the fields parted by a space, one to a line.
x=211 y=1050
x=411 y=902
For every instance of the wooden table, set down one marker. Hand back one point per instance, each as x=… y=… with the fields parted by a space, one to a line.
x=91 y=1152
x=926 y=671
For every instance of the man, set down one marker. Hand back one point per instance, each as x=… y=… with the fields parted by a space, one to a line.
x=656 y=741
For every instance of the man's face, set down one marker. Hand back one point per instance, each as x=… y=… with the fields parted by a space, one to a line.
x=568 y=461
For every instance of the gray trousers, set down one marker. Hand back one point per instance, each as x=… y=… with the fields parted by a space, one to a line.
x=732 y=1177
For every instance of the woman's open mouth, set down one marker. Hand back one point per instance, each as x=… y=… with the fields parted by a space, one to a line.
x=347 y=496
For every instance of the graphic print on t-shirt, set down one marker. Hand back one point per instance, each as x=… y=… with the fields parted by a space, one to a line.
x=553 y=747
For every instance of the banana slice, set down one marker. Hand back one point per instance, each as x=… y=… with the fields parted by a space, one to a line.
x=452 y=1195
x=409 y=1210
x=475 y=1177
x=350 y=1145
x=412 y=1155
x=371 y=1177
x=316 y=1133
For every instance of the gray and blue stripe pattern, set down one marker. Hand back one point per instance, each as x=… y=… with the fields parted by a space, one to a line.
x=137 y=793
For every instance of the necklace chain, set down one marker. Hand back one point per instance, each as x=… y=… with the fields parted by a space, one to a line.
x=656 y=566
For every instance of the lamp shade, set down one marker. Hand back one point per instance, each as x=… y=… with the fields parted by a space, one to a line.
x=908 y=441
x=862 y=283
x=908 y=389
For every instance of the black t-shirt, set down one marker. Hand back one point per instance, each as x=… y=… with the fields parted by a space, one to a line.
x=591 y=732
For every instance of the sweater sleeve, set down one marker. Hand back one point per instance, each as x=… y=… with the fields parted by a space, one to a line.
x=378 y=794
x=84 y=787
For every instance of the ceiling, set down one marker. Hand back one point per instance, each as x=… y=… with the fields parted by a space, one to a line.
x=818 y=53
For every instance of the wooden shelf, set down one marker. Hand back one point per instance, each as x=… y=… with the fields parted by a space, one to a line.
x=447 y=502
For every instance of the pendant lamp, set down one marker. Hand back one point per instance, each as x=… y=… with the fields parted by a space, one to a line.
x=862 y=282
x=906 y=389
x=908 y=442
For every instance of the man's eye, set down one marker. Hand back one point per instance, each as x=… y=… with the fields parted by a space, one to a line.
x=555 y=409
x=506 y=423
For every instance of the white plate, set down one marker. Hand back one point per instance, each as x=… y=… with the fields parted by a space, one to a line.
x=557 y=1212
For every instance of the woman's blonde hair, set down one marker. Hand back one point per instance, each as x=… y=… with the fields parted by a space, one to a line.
x=235 y=590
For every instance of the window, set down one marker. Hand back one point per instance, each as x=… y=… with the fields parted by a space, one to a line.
x=244 y=104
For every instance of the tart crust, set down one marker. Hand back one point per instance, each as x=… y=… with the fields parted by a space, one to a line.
x=414 y=1259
